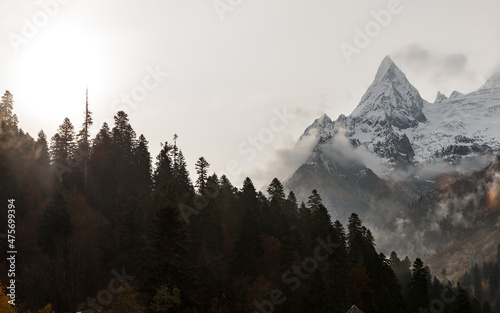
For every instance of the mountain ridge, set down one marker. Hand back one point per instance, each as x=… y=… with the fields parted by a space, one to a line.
x=395 y=123
x=395 y=148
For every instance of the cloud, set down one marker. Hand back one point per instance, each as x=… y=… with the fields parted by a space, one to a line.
x=455 y=63
x=438 y=68
x=342 y=151
x=452 y=209
x=281 y=162
x=419 y=58
x=313 y=108
x=417 y=54
x=431 y=171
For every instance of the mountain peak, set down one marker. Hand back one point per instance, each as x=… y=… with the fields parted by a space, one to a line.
x=323 y=126
x=440 y=97
x=456 y=94
x=387 y=69
x=391 y=98
x=324 y=118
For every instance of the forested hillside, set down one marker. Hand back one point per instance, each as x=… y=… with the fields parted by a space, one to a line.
x=99 y=228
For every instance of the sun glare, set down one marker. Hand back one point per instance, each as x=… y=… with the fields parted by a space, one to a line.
x=54 y=70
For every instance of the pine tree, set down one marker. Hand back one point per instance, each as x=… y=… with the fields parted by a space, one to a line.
x=124 y=143
x=206 y=228
x=111 y=168
x=388 y=296
x=405 y=275
x=124 y=136
x=163 y=178
x=276 y=221
x=42 y=150
x=292 y=207
x=83 y=140
x=323 y=282
x=494 y=281
x=6 y=106
x=227 y=189
x=175 y=154
x=249 y=246
x=462 y=303
x=169 y=264
x=202 y=171
x=435 y=289
x=84 y=134
x=355 y=241
x=43 y=159
x=321 y=219
x=292 y=202
x=184 y=186
x=276 y=191
x=394 y=259
x=305 y=227
x=142 y=166
x=63 y=144
x=418 y=293
x=63 y=154
x=341 y=287
x=102 y=173
x=7 y=119
x=103 y=138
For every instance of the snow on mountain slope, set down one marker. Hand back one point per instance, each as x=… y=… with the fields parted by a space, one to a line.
x=395 y=123
x=390 y=98
x=459 y=126
x=325 y=128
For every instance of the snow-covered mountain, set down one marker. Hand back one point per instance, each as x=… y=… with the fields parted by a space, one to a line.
x=403 y=165
x=395 y=147
x=393 y=122
x=390 y=99
x=460 y=126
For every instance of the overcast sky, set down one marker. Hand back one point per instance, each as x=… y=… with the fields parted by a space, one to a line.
x=218 y=72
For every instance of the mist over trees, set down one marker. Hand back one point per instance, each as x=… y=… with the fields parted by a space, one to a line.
x=99 y=228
